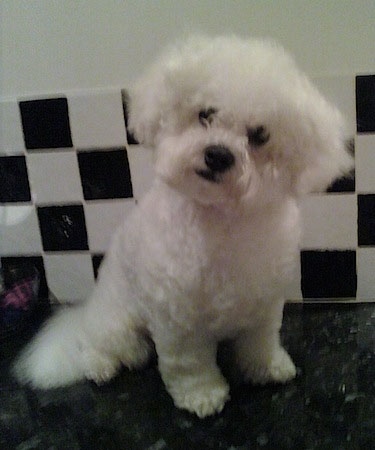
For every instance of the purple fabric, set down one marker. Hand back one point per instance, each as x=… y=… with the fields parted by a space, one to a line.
x=16 y=303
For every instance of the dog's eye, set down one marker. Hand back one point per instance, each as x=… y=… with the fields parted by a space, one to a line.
x=258 y=136
x=206 y=116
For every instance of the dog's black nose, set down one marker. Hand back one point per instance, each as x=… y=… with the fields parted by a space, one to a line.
x=218 y=158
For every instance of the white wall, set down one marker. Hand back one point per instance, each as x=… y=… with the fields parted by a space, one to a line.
x=59 y=45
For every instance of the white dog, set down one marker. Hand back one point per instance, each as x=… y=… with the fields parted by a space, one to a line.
x=240 y=134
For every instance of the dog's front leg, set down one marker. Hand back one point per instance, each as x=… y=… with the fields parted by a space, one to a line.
x=262 y=358
x=187 y=364
x=259 y=353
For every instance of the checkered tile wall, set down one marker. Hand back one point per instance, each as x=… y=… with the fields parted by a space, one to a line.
x=70 y=172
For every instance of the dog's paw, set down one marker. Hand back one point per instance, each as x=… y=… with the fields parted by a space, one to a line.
x=101 y=376
x=204 y=400
x=99 y=368
x=280 y=369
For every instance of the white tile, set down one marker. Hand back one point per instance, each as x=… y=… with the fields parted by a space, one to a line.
x=54 y=177
x=365 y=163
x=340 y=90
x=97 y=119
x=102 y=219
x=11 y=134
x=70 y=277
x=366 y=273
x=329 y=221
x=141 y=162
x=19 y=230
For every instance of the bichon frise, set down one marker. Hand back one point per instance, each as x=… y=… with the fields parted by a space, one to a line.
x=239 y=134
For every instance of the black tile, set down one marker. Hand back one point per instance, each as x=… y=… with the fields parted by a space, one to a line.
x=96 y=262
x=125 y=106
x=328 y=274
x=366 y=219
x=45 y=123
x=9 y=263
x=105 y=174
x=365 y=103
x=63 y=228
x=14 y=182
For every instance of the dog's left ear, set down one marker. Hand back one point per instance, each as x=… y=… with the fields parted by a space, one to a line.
x=145 y=106
x=321 y=142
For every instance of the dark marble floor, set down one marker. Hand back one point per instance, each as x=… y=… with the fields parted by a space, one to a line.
x=330 y=405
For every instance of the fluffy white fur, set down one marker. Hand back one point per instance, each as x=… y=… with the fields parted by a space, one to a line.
x=206 y=254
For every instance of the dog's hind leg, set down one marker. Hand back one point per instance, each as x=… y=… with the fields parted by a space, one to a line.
x=128 y=348
x=113 y=339
x=87 y=341
x=114 y=330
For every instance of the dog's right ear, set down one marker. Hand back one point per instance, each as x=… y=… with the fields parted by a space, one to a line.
x=145 y=105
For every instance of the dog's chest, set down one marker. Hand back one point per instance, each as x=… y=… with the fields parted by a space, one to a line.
x=216 y=269
x=225 y=262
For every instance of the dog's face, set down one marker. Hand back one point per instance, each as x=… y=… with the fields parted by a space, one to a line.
x=235 y=121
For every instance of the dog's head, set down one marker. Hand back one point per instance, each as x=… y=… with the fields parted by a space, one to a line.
x=235 y=119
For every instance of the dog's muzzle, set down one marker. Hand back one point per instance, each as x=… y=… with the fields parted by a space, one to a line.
x=218 y=159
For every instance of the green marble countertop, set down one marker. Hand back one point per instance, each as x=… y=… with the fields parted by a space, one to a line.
x=330 y=405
